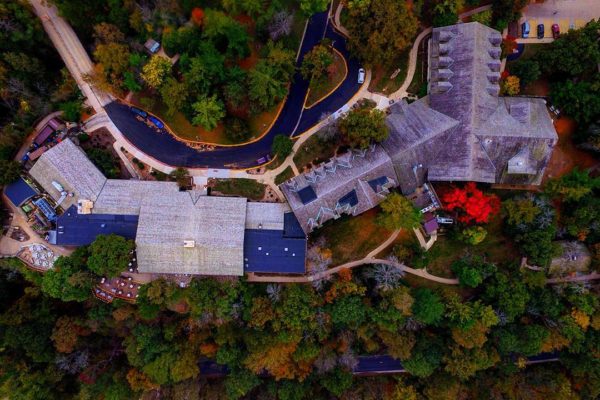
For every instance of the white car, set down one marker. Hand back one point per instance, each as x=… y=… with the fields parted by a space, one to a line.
x=361 y=75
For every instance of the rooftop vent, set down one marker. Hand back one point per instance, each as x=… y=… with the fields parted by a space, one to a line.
x=494 y=66
x=442 y=87
x=493 y=90
x=495 y=39
x=444 y=74
x=444 y=48
x=189 y=244
x=493 y=78
x=445 y=36
x=495 y=53
x=445 y=62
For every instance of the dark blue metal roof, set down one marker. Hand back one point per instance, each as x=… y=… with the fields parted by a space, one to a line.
x=307 y=195
x=46 y=208
x=349 y=199
x=377 y=183
x=378 y=364
x=19 y=192
x=270 y=252
x=74 y=229
x=291 y=226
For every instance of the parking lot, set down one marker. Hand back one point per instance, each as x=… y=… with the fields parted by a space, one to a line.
x=566 y=13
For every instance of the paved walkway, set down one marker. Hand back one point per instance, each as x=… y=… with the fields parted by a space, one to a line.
x=369 y=259
x=581 y=278
x=72 y=52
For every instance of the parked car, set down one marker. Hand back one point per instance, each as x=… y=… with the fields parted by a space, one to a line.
x=555 y=31
x=264 y=159
x=139 y=112
x=525 y=29
x=156 y=122
x=540 y=31
x=361 y=76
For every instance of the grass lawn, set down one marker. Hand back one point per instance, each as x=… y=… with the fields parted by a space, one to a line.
x=320 y=90
x=420 y=78
x=496 y=248
x=284 y=176
x=418 y=282
x=242 y=187
x=183 y=128
x=351 y=238
x=314 y=150
x=382 y=81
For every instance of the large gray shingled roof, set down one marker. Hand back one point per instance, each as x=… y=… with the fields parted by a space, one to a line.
x=67 y=165
x=346 y=184
x=463 y=130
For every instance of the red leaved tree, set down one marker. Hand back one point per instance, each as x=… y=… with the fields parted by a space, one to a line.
x=197 y=16
x=470 y=205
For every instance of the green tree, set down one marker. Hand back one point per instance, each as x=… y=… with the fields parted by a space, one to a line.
x=156 y=71
x=282 y=146
x=580 y=100
x=362 y=126
x=380 y=30
x=397 y=212
x=471 y=271
x=174 y=95
x=506 y=11
x=473 y=235
x=315 y=63
x=337 y=381
x=310 y=7
x=9 y=171
x=109 y=255
x=348 y=311
x=227 y=33
x=236 y=129
x=71 y=110
x=266 y=87
x=425 y=358
x=510 y=296
x=69 y=280
x=239 y=383
x=574 y=53
x=527 y=71
x=520 y=210
x=573 y=186
x=208 y=112
x=105 y=161
x=428 y=307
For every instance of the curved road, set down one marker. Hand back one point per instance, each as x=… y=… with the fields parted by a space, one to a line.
x=292 y=121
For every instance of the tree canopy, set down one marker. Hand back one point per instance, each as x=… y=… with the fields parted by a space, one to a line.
x=380 y=30
x=109 y=255
x=363 y=126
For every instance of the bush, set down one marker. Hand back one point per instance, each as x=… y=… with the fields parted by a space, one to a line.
x=282 y=146
x=236 y=130
x=83 y=137
x=71 y=110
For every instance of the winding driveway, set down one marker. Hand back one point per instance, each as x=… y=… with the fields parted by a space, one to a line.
x=293 y=120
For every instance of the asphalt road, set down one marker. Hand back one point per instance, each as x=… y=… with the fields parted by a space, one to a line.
x=293 y=119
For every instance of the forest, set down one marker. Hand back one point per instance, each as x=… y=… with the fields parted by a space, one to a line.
x=300 y=341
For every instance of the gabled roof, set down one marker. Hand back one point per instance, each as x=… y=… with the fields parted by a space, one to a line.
x=73 y=229
x=67 y=165
x=463 y=131
x=19 y=192
x=119 y=196
x=213 y=225
x=339 y=186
